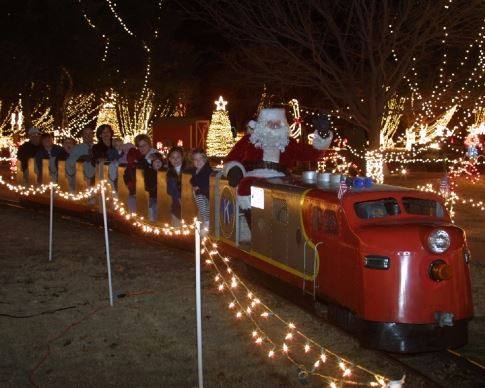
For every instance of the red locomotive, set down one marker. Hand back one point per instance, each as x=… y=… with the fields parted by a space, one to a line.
x=387 y=260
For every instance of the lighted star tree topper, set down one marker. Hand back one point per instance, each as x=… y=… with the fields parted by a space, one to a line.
x=219 y=136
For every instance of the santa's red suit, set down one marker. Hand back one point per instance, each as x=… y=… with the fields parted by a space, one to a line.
x=249 y=156
x=246 y=154
x=268 y=152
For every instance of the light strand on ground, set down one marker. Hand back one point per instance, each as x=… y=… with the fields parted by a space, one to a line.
x=228 y=280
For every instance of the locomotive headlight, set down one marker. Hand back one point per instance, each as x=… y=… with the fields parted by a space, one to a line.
x=438 y=241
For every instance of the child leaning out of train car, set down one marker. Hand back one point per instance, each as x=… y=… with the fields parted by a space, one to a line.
x=200 y=185
x=176 y=166
x=145 y=158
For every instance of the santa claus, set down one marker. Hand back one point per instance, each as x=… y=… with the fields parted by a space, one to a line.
x=269 y=152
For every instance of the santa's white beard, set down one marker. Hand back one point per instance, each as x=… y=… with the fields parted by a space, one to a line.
x=267 y=138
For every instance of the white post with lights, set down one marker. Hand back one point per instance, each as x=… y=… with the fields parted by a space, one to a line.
x=51 y=219
x=198 y=304
x=106 y=241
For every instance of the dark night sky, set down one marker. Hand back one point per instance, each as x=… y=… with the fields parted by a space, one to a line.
x=39 y=37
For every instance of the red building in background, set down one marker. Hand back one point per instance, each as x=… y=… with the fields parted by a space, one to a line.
x=190 y=131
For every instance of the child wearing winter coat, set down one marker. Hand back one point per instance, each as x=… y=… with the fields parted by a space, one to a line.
x=176 y=166
x=200 y=186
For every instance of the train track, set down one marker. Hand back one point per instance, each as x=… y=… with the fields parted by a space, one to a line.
x=444 y=369
x=435 y=369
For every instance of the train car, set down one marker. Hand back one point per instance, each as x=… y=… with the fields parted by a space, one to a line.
x=387 y=260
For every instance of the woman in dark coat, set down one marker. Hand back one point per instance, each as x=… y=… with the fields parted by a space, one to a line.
x=102 y=149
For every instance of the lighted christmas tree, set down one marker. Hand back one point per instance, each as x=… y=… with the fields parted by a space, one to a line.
x=219 y=136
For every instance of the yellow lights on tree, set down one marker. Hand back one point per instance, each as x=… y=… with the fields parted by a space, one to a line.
x=219 y=136
x=478 y=127
x=107 y=113
x=390 y=122
x=374 y=165
x=135 y=116
x=295 y=127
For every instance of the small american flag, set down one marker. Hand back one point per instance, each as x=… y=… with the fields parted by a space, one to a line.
x=342 y=189
x=445 y=186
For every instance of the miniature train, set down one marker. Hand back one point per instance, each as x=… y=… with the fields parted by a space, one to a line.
x=388 y=261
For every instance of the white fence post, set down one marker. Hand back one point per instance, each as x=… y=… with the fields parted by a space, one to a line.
x=51 y=220
x=198 y=303
x=106 y=241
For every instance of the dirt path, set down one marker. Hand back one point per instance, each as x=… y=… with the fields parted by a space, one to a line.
x=145 y=340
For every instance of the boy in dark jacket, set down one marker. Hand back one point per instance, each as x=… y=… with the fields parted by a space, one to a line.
x=50 y=151
x=28 y=150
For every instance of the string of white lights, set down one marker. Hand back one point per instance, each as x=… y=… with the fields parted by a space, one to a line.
x=255 y=309
x=93 y=26
x=112 y=7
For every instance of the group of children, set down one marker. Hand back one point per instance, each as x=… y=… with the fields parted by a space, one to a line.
x=201 y=172
x=143 y=156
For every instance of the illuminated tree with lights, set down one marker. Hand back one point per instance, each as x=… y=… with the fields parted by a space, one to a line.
x=107 y=113
x=219 y=136
x=351 y=57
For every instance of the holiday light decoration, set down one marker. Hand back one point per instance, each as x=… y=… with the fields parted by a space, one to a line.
x=467 y=169
x=295 y=127
x=478 y=127
x=17 y=120
x=313 y=358
x=219 y=135
x=433 y=110
x=427 y=108
x=374 y=165
x=453 y=198
x=7 y=118
x=42 y=117
x=390 y=121
x=112 y=7
x=94 y=27
x=7 y=143
x=264 y=100
x=472 y=140
x=81 y=110
x=107 y=113
x=335 y=162
x=438 y=129
x=134 y=116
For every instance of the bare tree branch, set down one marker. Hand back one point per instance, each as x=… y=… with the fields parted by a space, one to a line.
x=341 y=51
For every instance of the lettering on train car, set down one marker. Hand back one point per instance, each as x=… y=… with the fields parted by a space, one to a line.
x=227 y=212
